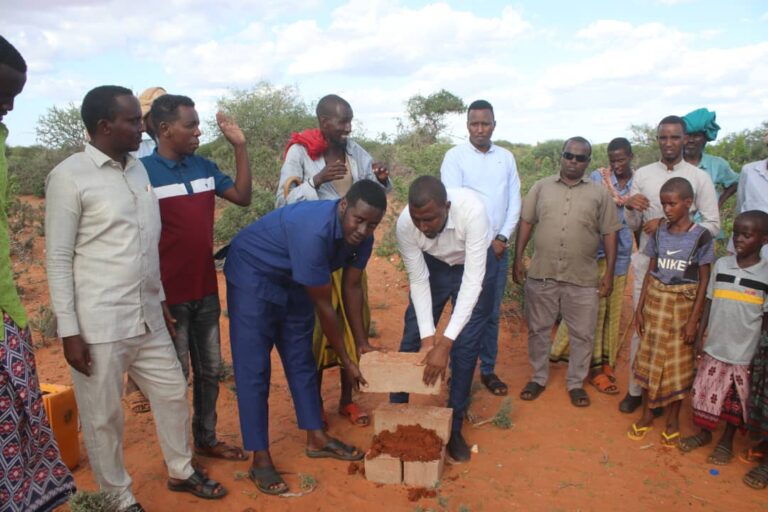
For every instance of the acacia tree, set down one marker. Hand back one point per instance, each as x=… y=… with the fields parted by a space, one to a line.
x=61 y=128
x=427 y=114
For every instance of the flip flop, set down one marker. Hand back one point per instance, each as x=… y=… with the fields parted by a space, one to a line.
x=357 y=416
x=751 y=456
x=579 y=397
x=531 y=391
x=604 y=384
x=669 y=440
x=636 y=433
x=335 y=449
x=265 y=480
x=235 y=452
x=720 y=456
x=494 y=384
x=608 y=372
x=200 y=486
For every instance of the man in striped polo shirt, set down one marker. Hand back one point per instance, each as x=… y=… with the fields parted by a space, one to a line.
x=186 y=185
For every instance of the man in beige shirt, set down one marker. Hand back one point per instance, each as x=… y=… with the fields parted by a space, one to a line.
x=102 y=231
x=571 y=214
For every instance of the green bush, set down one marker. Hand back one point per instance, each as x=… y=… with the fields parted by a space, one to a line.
x=234 y=218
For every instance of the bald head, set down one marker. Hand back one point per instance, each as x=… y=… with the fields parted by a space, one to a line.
x=328 y=106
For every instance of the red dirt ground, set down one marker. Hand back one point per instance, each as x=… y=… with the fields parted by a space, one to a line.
x=555 y=457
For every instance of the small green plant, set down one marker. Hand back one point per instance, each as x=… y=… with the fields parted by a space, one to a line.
x=502 y=419
x=463 y=508
x=84 y=501
x=43 y=323
x=226 y=372
x=373 y=332
x=307 y=482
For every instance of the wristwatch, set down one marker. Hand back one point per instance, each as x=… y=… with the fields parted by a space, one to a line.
x=502 y=239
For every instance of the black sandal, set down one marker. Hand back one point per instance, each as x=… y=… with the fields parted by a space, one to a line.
x=266 y=480
x=335 y=449
x=757 y=478
x=200 y=486
x=494 y=384
x=531 y=391
x=579 y=397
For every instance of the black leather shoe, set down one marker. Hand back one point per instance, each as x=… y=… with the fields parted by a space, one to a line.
x=630 y=403
x=136 y=507
x=458 y=448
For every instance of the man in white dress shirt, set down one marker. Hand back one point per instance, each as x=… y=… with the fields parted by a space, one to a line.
x=444 y=239
x=491 y=172
x=102 y=224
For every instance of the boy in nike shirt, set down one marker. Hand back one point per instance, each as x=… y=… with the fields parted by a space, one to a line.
x=669 y=309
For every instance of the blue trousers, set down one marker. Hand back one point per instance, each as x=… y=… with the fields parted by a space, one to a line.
x=444 y=283
x=489 y=347
x=255 y=326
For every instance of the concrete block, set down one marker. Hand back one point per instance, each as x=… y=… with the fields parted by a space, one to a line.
x=388 y=416
x=391 y=372
x=423 y=474
x=383 y=469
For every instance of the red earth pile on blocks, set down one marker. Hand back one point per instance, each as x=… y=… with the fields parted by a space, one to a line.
x=407 y=443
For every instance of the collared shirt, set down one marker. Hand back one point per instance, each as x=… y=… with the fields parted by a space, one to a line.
x=624 y=249
x=298 y=165
x=493 y=175
x=739 y=299
x=298 y=245
x=570 y=221
x=186 y=190
x=752 y=193
x=719 y=171
x=648 y=181
x=102 y=228
x=464 y=241
x=9 y=298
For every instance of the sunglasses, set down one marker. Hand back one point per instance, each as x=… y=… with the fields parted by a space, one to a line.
x=579 y=158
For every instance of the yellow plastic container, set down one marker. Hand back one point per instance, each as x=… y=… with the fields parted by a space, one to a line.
x=61 y=408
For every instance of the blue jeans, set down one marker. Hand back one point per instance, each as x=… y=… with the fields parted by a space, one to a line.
x=444 y=283
x=197 y=340
x=489 y=347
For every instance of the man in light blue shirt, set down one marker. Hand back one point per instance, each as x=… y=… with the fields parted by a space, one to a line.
x=753 y=192
x=490 y=171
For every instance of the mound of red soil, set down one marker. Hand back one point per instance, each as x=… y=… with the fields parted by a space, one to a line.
x=408 y=443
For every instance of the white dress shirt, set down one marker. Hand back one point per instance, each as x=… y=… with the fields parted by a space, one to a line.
x=493 y=175
x=102 y=227
x=648 y=181
x=464 y=241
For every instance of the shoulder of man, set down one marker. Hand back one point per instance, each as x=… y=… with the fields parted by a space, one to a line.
x=356 y=150
x=73 y=164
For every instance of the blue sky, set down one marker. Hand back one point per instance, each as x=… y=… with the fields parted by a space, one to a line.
x=551 y=68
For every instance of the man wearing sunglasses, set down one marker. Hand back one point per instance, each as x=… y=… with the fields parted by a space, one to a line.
x=571 y=215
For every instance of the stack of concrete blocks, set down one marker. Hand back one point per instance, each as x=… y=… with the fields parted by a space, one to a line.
x=392 y=372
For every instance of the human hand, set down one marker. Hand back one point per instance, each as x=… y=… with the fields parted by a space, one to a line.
x=170 y=322
x=638 y=202
x=77 y=354
x=436 y=362
x=364 y=348
x=230 y=129
x=689 y=331
x=650 y=227
x=335 y=171
x=498 y=248
x=518 y=272
x=354 y=376
x=606 y=286
x=381 y=172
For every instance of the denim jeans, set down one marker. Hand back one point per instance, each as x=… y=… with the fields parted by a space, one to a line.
x=197 y=341
x=489 y=347
x=444 y=283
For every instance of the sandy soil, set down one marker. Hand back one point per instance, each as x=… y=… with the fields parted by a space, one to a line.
x=555 y=457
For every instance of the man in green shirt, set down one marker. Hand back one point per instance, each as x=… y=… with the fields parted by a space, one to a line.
x=35 y=477
x=700 y=126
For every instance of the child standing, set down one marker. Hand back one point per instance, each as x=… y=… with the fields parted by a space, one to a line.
x=735 y=307
x=669 y=309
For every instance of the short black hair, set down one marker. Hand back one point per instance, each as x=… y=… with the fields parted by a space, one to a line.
x=425 y=189
x=480 y=105
x=368 y=192
x=11 y=57
x=674 y=120
x=101 y=103
x=620 y=143
x=757 y=217
x=580 y=140
x=679 y=186
x=165 y=109
x=326 y=107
